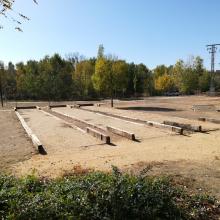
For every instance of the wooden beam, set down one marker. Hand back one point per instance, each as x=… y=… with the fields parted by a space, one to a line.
x=36 y=142
x=168 y=127
x=98 y=135
x=57 y=106
x=25 y=107
x=213 y=120
x=189 y=127
x=122 y=133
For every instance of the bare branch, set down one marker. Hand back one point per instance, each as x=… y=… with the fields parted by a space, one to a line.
x=18 y=29
x=6 y=6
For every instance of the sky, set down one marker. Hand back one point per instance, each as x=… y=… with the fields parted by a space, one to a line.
x=152 y=32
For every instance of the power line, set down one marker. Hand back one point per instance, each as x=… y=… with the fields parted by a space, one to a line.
x=212 y=48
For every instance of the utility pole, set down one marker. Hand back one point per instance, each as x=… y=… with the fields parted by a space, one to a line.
x=212 y=48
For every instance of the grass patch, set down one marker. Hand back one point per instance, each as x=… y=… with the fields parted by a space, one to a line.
x=98 y=195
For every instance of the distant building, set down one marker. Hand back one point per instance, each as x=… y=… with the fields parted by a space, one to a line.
x=217 y=71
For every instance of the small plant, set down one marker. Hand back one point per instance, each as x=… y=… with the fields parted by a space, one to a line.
x=97 y=195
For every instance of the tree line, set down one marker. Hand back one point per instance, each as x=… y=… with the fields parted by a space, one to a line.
x=104 y=76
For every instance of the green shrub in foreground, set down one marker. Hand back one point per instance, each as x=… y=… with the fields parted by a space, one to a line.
x=100 y=196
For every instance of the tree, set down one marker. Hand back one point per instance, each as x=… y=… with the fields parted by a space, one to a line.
x=1 y=82
x=178 y=71
x=83 y=77
x=103 y=77
x=164 y=83
x=49 y=78
x=101 y=50
x=186 y=75
x=6 y=6
x=20 y=79
x=141 y=76
x=160 y=71
x=59 y=77
x=74 y=58
x=119 y=75
x=10 y=88
x=204 y=81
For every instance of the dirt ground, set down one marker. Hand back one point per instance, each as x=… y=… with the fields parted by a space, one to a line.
x=15 y=146
x=195 y=156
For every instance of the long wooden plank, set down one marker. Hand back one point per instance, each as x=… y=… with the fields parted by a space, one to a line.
x=168 y=127
x=213 y=120
x=24 y=107
x=57 y=106
x=121 y=132
x=195 y=128
x=36 y=142
x=98 y=135
x=139 y=121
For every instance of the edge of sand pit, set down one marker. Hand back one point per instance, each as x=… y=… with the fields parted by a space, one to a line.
x=36 y=142
x=175 y=129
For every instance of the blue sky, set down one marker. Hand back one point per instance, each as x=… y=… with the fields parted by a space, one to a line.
x=149 y=31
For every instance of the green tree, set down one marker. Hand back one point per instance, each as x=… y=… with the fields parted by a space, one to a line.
x=204 y=81
x=119 y=75
x=58 y=77
x=83 y=77
x=186 y=75
x=10 y=81
x=2 y=72
x=49 y=78
x=141 y=76
x=101 y=51
x=20 y=80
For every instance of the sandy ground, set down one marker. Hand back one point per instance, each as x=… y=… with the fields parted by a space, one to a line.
x=55 y=135
x=195 y=156
x=14 y=144
x=180 y=106
x=142 y=132
x=151 y=116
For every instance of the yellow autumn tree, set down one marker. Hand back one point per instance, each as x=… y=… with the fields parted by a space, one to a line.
x=164 y=83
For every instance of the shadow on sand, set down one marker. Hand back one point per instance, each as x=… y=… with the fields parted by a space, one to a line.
x=144 y=108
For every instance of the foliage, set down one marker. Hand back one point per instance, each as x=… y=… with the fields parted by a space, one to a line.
x=101 y=51
x=56 y=78
x=102 y=79
x=110 y=75
x=119 y=74
x=204 y=81
x=190 y=76
x=164 y=83
x=83 y=78
x=100 y=196
x=160 y=71
x=49 y=78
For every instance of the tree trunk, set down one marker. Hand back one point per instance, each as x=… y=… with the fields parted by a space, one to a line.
x=112 y=102
x=1 y=95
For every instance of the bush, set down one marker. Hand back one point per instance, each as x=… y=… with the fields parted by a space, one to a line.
x=99 y=195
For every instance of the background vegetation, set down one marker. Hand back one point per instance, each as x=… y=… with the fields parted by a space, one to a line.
x=76 y=77
x=101 y=196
